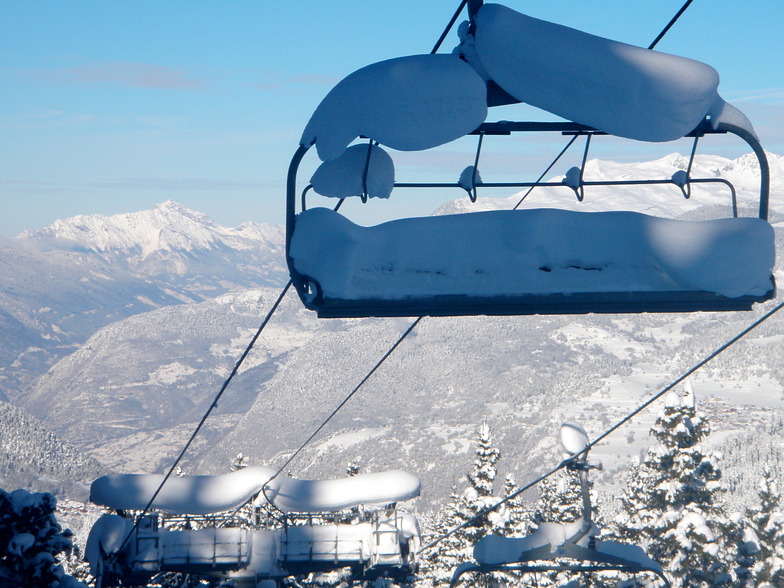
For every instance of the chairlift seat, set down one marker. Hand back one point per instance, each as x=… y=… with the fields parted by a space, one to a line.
x=539 y=261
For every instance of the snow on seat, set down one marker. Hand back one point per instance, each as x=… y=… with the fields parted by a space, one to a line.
x=201 y=495
x=530 y=261
x=495 y=550
x=618 y=88
x=555 y=541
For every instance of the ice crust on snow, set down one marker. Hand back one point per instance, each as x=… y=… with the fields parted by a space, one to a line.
x=211 y=494
x=407 y=103
x=537 y=251
x=344 y=176
x=618 y=88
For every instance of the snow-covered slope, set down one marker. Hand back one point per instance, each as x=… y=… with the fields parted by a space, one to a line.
x=149 y=377
x=134 y=392
x=36 y=459
x=60 y=284
x=51 y=302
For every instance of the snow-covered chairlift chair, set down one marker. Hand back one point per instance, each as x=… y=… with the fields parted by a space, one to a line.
x=325 y=525
x=534 y=261
x=570 y=547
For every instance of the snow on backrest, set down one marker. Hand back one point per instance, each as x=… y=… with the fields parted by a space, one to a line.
x=494 y=550
x=407 y=103
x=354 y=172
x=618 y=88
x=180 y=495
x=333 y=495
x=200 y=495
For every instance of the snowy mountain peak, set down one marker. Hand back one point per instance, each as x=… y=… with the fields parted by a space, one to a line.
x=170 y=239
x=168 y=227
x=173 y=210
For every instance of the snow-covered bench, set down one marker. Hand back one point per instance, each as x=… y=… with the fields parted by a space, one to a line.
x=541 y=260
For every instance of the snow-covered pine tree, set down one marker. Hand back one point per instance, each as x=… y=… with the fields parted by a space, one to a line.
x=560 y=499
x=440 y=561
x=31 y=541
x=463 y=507
x=479 y=494
x=672 y=506
x=767 y=524
x=520 y=514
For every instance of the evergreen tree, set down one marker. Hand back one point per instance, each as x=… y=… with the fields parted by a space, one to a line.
x=479 y=494
x=31 y=541
x=440 y=561
x=672 y=506
x=767 y=525
x=560 y=499
x=462 y=509
x=520 y=515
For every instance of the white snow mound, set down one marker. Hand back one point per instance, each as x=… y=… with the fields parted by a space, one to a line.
x=354 y=172
x=407 y=103
x=536 y=251
x=618 y=88
x=211 y=494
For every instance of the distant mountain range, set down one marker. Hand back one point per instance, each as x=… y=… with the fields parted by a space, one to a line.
x=183 y=247
x=122 y=328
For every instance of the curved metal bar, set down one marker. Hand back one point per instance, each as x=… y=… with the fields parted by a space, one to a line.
x=303 y=203
x=687 y=192
x=537 y=568
x=581 y=184
x=291 y=215
x=472 y=194
x=762 y=158
x=364 y=195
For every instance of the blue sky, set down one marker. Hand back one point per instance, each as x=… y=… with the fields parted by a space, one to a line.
x=110 y=106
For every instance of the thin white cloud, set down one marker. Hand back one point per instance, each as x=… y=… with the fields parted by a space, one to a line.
x=128 y=74
x=765 y=95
